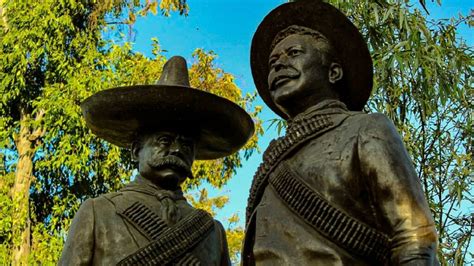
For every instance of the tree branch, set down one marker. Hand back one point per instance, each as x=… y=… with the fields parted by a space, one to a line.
x=39 y=131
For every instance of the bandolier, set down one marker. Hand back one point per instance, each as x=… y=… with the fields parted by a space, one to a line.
x=167 y=243
x=330 y=221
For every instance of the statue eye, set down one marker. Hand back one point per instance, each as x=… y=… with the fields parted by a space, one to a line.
x=186 y=144
x=271 y=62
x=164 y=140
x=294 y=52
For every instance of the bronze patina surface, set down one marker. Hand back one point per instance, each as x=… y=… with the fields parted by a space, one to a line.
x=149 y=222
x=339 y=188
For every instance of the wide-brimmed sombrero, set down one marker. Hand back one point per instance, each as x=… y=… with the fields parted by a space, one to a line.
x=349 y=45
x=118 y=114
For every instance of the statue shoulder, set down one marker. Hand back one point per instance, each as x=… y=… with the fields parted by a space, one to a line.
x=219 y=227
x=86 y=211
x=100 y=205
x=109 y=196
x=377 y=124
x=370 y=122
x=364 y=119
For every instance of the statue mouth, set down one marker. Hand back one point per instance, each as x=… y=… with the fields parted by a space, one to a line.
x=279 y=81
x=282 y=77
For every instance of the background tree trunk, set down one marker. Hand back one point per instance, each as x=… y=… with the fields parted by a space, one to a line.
x=20 y=192
x=3 y=16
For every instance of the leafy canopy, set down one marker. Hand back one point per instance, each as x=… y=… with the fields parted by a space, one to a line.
x=423 y=81
x=53 y=56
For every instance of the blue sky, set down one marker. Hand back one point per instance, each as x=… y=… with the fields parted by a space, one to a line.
x=226 y=27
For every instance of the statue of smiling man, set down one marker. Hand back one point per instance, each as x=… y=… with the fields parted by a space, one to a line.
x=149 y=222
x=339 y=188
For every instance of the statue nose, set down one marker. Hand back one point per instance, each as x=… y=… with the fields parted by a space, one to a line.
x=175 y=147
x=281 y=62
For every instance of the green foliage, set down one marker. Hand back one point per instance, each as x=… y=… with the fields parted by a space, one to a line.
x=423 y=82
x=53 y=56
x=235 y=237
x=6 y=207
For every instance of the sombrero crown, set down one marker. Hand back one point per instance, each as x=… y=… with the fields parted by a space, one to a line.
x=347 y=41
x=119 y=114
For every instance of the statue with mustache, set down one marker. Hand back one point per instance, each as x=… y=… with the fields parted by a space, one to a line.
x=149 y=222
x=339 y=188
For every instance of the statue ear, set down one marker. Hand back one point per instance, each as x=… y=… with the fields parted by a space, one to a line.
x=135 y=150
x=335 y=73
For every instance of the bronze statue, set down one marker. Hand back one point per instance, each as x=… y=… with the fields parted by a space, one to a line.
x=339 y=188
x=149 y=222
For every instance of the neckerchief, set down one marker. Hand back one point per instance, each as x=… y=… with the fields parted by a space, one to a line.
x=167 y=198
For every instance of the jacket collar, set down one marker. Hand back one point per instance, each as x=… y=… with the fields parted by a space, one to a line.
x=143 y=185
x=323 y=107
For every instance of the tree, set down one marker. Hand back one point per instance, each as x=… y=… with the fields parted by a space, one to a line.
x=53 y=56
x=422 y=81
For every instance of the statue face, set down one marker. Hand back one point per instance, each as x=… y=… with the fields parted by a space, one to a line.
x=298 y=73
x=165 y=158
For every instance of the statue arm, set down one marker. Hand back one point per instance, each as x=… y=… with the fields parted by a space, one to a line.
x=399 y=202
x=225 y=259
x=78 y=249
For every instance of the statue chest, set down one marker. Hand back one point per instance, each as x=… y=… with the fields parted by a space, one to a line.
x=329 y=165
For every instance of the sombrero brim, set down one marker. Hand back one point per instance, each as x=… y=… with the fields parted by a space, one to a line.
x=350 y=47
x=117 y=114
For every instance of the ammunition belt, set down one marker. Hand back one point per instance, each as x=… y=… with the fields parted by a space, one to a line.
x=298 y=133
x=188 y=260
x=337 y=226
x=145 y=220
x=169 y=244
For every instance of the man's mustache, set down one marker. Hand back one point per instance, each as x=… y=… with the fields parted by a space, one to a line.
x=173 y=162
x=287 y=72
